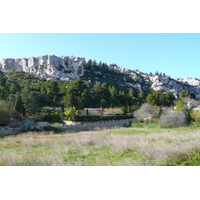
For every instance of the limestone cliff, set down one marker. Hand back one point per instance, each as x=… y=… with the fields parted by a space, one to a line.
x=50 y=67
x=67 y=68
x=175 y=86
x=162 y=83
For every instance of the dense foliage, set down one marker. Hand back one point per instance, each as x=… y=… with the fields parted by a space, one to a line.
x=23 y=94
x=160 y=98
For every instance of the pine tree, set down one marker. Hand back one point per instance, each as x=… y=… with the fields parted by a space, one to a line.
x=130 y=93
x=169 y=98
x=18 y=104
x=141 y=94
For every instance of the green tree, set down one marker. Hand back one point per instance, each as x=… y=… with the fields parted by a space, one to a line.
x=160 y=98
x=169 y=98
x=18 y=104
x=141 y=94
x=103 y=103
x=180 y=105
x=52 y=90
x=131 y=93
x=113 y=95
x=183 y=94
x=76 y=94
x=124 y=109
x=4 y=117
x=13 y=88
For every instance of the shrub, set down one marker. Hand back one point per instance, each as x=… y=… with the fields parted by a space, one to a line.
x=180 y=105
x=4 y=117
x=124 y=109
x=172 y=119
x=195 y=116
x=53 y=118
x=146 y=111
x=56 y=127
x=113 y=111
x=70 y=114
x=56 y=117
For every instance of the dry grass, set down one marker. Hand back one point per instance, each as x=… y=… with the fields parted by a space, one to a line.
x=10 y=159
x=97 y=148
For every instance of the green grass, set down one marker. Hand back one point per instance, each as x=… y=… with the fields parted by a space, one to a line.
x=133 y=146
x=191 y=159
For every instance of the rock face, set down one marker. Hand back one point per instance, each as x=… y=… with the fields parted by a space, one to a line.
x=50 y=67
x=168 y=84
x=144 y=81
x=67 y=68
x=190 y=81
x=156 y=82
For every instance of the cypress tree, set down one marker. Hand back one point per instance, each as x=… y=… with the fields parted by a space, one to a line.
x=18 y=104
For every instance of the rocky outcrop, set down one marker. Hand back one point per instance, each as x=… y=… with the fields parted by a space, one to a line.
x=168 y=84
x=144 y=81
x=67 y=68
x=190 y=81
x=50 y=67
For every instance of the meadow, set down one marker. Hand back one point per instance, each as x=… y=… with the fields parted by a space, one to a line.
x=133 y=146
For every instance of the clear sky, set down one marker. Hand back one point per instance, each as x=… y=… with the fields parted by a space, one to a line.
x=176 y=54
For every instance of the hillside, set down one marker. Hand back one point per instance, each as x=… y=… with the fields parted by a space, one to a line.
x=138 y=80
x=40 y=88
x=69 y=68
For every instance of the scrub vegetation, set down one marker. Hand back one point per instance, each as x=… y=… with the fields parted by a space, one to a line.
x=135 y=146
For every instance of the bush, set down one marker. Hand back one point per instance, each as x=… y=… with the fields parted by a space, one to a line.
x=4 y=117
x=172 y=119
x=53 y=118
x=56 y=127
x=56 y=117
x=70 y=114
x=124 y=109
x=146 y=111
x=180 y=105
x=195 y=116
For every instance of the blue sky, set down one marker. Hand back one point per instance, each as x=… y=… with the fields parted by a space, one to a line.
x=176 y=54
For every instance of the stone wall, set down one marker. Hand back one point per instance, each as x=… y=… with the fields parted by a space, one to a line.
x=6 y=131
x=76 y=127
x=100 y=125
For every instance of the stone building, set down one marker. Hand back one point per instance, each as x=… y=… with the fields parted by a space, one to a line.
x=92 y=111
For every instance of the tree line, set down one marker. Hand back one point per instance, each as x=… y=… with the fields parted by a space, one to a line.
x=22 y=94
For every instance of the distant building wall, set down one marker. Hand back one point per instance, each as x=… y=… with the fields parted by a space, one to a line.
x=99 y=125
x=92 y=111
x=42 y=124
x=5 y=131
x=67 y=123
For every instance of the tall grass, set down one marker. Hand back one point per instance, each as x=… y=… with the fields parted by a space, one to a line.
x=117 y=147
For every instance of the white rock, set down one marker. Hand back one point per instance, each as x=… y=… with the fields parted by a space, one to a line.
x=190 y=81
x=50 y=67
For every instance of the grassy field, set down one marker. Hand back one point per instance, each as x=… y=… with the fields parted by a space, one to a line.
x=135 y=146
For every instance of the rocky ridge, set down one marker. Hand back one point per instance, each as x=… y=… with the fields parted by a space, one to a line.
x=67 y=68
x=50 y=67
x=163 y=83
x=175 y=86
